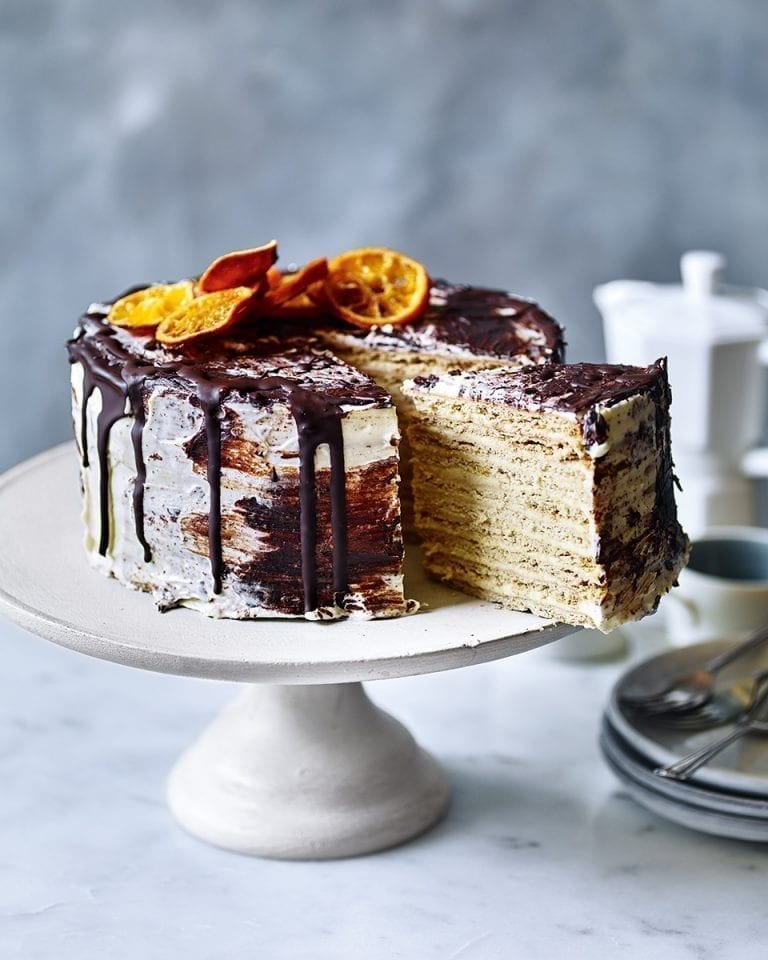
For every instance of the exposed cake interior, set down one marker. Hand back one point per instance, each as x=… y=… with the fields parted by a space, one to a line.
x=550 y=488
x=465 y=328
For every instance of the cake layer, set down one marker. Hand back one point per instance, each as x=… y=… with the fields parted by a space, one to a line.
x=549 y=488
x=465 y=328
x=258 y=478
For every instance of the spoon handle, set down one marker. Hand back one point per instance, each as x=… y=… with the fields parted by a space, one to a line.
x=683 y=769
x=757 y=639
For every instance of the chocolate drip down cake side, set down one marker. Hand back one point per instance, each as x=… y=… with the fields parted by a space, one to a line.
x=240 y=447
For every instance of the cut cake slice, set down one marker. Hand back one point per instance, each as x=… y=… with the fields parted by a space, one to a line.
x=464 y=328
x=550 y=488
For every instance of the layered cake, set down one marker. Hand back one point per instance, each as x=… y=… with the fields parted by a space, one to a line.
x=464 y=328
x=239 y=446
x=256 y=479
x=549 y=488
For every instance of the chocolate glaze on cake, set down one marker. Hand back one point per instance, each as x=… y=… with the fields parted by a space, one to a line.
x=127 y=366
x=471 y=320
x=568 y=388
x=121 y=364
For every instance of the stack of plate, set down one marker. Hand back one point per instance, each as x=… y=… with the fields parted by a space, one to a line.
x=727 y=797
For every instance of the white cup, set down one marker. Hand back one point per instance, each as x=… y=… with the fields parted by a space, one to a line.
x=723 y=591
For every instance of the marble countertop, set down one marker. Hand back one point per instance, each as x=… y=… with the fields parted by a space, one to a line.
x=541 y=854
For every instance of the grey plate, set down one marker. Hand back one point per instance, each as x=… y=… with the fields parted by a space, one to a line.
x=699 y=815
x=637 y=767
x=741 y=768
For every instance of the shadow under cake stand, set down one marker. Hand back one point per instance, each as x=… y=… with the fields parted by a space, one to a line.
x=302 y=764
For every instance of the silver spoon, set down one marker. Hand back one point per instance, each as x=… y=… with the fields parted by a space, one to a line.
x=691 y=689
x=725 y=706
x=753 y=721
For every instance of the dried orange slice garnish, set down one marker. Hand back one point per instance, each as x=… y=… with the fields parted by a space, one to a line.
x=375 y=286
x=242 y=268
x=209 y=313
x=148 y=307
x=274 y=277
x=297 y=308
x=316 y=293
x=293 y=285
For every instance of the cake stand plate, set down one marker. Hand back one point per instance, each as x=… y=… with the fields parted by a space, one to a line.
x=302 y=765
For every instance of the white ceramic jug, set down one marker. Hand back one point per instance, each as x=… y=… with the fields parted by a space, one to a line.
x=715 y=338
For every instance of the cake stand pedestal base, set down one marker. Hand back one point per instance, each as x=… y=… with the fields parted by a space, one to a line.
x=303 y=765
x=306 y=772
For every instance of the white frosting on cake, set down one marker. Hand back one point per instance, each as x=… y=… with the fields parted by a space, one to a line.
x=177 y=490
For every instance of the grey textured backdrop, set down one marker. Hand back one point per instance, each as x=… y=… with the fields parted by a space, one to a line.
x=544 y=146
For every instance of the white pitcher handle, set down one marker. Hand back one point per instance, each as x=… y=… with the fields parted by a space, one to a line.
x=754 y=463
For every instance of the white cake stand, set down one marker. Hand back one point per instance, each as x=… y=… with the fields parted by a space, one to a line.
x=302 y=765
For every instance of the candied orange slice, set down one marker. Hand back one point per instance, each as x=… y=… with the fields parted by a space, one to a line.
x=242 y=268
x=297 y=308
x=274 y=277
x=206 y=314
x=293 y=285
x=253 y=304
x=148 y=307
x=316 y=293
x=375 y=286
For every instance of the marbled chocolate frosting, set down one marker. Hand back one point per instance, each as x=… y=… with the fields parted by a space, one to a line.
x=474 y=322
x=260 y=475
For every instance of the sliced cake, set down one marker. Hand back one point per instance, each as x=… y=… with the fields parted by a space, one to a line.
x=239 y=446
x=232 y=464
x=464 y=328
x=549 y=488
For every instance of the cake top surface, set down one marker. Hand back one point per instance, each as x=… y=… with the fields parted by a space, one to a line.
x=253 y=346
x=461 y=319
x=247 y=361
x=565 y=388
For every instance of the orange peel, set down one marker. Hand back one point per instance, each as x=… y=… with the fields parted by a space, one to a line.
x=298 y=308
x=316 y=293
x=274 y=277
x=293 y=285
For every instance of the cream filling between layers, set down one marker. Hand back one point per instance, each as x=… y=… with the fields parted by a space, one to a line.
x=487 y=527
x=390 y=367
x=174 y=489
